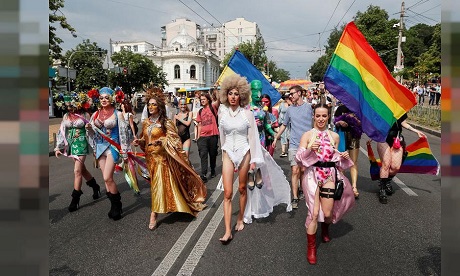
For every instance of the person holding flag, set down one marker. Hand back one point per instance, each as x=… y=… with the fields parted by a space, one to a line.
x=360 y=80
x=392 y=153
x=71 y=141
x=108 y=132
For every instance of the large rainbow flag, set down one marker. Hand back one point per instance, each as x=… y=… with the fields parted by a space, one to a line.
x=240 y=65
x=419 y=160
x=360 y=80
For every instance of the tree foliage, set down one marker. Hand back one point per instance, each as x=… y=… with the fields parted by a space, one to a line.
x=87 y=59
x=133 y=71
x=56 y=17
x=421 y=50
x=255 y=53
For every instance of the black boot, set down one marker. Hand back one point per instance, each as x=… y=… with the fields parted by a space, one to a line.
x=115 y=208
x=96 y=188
x=75 y=203
x=382 y=193
x=388 y=186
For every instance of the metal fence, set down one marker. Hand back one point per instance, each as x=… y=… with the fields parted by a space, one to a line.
x=429 y=116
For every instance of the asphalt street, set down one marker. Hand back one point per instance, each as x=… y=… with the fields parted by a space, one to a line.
x=400 y=238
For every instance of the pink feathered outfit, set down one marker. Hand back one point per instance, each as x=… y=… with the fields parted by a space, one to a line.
x=308 y=157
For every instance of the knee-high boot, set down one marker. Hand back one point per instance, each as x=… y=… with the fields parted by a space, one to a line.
x=75 y=203
x=96 y=188
x=382 y=192
x=311 y=248
x=325 y=232
x=115 y=206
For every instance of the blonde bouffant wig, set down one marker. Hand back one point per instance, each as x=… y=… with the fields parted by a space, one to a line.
x=239 y=83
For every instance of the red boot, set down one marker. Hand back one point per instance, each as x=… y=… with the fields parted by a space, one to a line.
x=325 y=232
x=311 y=248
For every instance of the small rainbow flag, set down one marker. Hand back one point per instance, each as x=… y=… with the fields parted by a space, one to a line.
x=419 y=160
x=360 y=80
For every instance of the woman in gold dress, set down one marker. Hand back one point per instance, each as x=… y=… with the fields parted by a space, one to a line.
x=175 y=186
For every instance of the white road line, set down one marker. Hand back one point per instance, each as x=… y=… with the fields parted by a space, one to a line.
x=182 y=241
x=197 y=252
x=395 y=179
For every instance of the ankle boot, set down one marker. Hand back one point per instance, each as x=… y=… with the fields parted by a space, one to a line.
x=388 y=186
x=311 y=248
x=75 y=203
x=115 y=208
x=383 y=193
x=325 y=232
x=96 y=188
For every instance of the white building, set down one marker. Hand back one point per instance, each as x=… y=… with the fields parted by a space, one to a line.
x=185 y=60
x=222 y=39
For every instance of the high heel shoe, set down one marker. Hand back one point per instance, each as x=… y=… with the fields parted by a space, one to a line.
x=259 y=183
x=355 y=192
x=96 y=188
x=75 y=203
x=251 y=180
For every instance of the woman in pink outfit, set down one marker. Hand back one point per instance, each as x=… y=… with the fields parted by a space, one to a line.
x=317 y=153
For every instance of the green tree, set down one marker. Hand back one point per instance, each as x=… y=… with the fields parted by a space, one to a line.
x=318 y=69
x=56 y=17
x=375 y=25
x=87 y=59
x=253 y=51
x=418 y=40
x=133 y=71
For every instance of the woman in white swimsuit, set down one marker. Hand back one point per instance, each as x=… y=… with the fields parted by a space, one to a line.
x=241 y=149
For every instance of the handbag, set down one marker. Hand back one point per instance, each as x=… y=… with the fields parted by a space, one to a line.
x=342 y=144
x=338 y=187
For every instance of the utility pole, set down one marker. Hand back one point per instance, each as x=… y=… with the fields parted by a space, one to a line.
x=399 y=63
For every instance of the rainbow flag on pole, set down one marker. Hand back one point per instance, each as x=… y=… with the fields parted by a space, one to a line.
x=360 y=80
x=240 y=65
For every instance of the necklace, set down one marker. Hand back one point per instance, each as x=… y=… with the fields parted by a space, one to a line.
x=154 y=119
x=105 y=114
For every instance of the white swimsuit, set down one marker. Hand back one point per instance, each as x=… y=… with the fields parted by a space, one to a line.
x=235 y=130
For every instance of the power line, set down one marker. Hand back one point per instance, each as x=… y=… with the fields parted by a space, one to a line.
x=289 y=38
x=421 y=15
x=291 y=50
x=336 y=26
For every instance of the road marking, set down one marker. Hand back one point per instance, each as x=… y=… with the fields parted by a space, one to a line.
x=182 y=241
x=395 y=179
x=198 y=250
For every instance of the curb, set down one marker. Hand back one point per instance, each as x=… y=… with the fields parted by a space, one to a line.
x=426 y=130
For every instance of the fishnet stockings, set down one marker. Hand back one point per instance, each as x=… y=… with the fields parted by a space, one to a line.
x=391 y=159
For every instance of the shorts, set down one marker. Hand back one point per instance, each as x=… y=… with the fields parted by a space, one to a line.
x=350 y=142
x=291 y=155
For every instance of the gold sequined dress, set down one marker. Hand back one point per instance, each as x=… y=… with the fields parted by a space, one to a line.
x=175 y=186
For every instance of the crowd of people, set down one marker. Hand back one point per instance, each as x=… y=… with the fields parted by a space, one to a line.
x=245 y=123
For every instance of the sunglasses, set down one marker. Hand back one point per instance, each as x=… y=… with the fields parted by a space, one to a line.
x=104 y=97
x=152 y=104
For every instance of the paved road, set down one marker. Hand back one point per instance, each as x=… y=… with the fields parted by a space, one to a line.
x=400 y=238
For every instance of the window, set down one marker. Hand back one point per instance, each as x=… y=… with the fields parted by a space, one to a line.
x=176 y=71
x=219 y=45
x=129 y=48
x=193 y=72
x=135 y=48
x=122 y=48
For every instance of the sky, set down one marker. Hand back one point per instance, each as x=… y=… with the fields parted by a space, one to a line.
x=294 y=30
